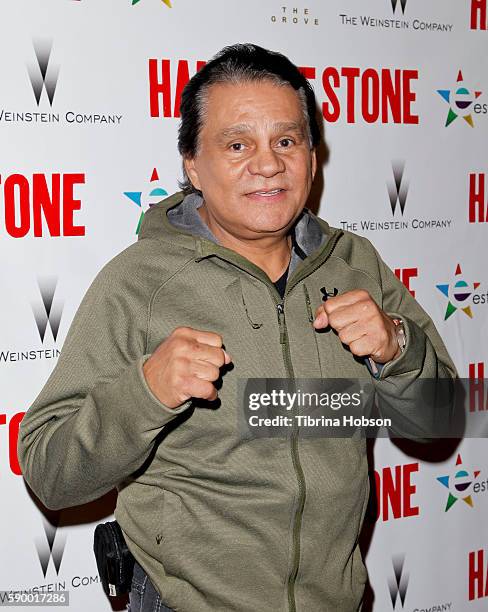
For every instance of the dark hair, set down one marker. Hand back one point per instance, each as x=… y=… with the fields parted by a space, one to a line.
x=236 y=64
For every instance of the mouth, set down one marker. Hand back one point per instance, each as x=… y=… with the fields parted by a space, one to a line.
x=267 y=193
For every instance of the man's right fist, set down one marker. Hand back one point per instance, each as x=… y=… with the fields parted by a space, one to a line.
x=184 y=365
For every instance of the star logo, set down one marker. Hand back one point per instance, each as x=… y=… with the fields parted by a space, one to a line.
x=457 y=295
x=167 y=2
x=153 y=197
x=459 y=484
x=460 y=100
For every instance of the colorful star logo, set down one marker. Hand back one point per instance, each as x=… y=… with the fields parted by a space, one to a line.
x=460 y=101
x=154 y=196
x=458 y=296
x=167 y=2
x=460 y=484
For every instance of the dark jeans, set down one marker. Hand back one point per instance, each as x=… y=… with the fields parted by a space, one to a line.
x=143 y=596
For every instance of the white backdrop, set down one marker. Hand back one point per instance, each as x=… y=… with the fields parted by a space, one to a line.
x=75 y=175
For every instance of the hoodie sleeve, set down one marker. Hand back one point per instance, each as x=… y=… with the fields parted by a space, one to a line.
x=425 y=354
x=95 y=420
x=414 y=389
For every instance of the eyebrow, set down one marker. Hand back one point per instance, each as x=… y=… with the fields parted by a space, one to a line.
x=244 y=128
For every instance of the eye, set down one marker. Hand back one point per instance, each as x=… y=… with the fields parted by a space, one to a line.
x=286 y=142
x=237 y=146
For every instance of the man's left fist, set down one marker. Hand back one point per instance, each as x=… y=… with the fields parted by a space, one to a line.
x=360 y=324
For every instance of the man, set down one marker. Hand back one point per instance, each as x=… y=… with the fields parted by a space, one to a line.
x=223 y=284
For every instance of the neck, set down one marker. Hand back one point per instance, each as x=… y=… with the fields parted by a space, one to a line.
x=271 y=254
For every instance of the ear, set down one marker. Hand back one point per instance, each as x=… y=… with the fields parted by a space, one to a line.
x=314 y=163
x=189 y=165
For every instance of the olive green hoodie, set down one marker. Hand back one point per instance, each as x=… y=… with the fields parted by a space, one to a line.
x=219 y=521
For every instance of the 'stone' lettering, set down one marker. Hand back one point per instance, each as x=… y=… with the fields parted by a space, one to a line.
x=394 y=492
x=386 y=96
x=28 y=203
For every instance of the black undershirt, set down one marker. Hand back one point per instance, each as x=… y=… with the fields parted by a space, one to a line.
x=280 y=284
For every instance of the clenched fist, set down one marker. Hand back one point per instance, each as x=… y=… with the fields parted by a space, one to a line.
x=360 y=324
x=185 y=365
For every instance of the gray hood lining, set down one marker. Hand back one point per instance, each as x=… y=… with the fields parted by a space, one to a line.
x=308 y=234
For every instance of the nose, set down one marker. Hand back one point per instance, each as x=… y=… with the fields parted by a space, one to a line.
x=266 y=162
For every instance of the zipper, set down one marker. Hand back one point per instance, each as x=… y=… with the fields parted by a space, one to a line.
x=255 y=271
x=297 y=521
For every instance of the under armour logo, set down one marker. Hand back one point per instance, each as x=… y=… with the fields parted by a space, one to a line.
x=159 y=537
x=328 y=294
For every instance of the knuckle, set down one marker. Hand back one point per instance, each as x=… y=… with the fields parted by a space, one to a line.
x=182 y=362
x=183 y=385
x=365 y=307
x=192 y=344
x=217 y=337
x=214 y=373
x=357 y=349
x=353 y=347
x=208 y=390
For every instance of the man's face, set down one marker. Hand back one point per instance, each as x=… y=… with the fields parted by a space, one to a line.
x=254 y=167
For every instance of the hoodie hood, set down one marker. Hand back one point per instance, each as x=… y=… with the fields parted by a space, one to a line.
x=178 y=216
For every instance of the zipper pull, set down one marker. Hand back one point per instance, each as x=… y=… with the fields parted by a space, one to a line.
x=281 y=311
x=309 y=305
